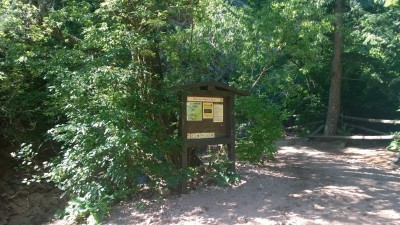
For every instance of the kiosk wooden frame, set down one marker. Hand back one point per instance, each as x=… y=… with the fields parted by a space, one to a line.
x=207 y=118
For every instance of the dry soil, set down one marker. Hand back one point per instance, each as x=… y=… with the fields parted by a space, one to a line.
x=312 y=182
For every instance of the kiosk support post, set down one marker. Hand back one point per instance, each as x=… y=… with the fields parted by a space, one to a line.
x=207 y=118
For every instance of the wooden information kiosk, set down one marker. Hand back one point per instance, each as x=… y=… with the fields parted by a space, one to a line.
x=207 y=118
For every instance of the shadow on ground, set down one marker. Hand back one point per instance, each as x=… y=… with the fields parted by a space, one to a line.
x=311 y=183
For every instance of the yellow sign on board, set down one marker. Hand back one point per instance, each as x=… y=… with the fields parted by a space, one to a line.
x=208 y=112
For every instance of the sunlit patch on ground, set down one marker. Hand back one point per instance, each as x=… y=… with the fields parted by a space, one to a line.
x=311 y=183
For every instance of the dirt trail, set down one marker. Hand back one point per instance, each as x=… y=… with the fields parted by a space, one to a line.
x=311 y=183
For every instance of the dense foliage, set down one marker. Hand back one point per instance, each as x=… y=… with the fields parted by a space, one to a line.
x=84 y=83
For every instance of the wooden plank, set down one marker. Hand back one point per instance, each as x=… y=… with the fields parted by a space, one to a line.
x=291 y=128
x=232 y=131
x=358 y=137
x=310 y=123
x=319 y=129
x=211 y=86
x=182 y=186
x=316 y=122
x=366 y=129
x=373 y=120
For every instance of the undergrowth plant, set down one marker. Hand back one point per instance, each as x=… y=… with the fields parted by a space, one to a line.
x=395 y=144
x=260 y=125
x=114 y=143
x=222 y=172
x=220 y=167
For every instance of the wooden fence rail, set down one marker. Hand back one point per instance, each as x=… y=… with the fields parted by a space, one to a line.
x=383 y=136
x=358 y=137
x=395 y=122
x=366 y=129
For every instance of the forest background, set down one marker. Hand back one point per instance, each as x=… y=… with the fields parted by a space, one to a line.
x=84 y=85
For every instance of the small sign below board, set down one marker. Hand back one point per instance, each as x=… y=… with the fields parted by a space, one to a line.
x=200 y=135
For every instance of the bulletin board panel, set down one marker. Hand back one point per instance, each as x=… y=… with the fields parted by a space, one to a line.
x=206 y=117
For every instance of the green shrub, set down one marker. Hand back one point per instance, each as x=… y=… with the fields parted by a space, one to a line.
x=219 y=167
x=114 y=141
x=395 y=144
x=260 y=125
x=222 y=172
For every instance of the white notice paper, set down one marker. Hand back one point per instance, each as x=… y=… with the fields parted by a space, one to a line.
x=218 y=113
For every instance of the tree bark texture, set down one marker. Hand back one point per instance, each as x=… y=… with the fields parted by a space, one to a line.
x=333 y=113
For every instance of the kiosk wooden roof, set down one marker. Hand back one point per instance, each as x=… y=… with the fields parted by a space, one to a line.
x=211 y=86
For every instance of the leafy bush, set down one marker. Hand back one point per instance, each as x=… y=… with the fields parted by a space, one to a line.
x=113 y=143
x=261 y=125
x=222 y=172
x=395 y=144
x=219 y=167
x=22 y=88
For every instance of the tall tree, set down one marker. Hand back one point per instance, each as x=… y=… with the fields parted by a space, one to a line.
x=333 y=113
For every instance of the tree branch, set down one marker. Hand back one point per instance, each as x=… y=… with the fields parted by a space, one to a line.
x=262 y=74
x=71 y=39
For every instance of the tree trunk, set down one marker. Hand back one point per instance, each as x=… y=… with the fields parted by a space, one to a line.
x=333 y=113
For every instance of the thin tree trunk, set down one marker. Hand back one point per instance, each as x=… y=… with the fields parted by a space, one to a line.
x=333 y=114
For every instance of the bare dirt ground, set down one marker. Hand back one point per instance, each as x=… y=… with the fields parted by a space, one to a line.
x=21 y=204
x=312 y=182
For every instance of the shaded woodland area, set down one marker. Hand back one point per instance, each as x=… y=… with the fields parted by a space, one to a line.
x=85 y=102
